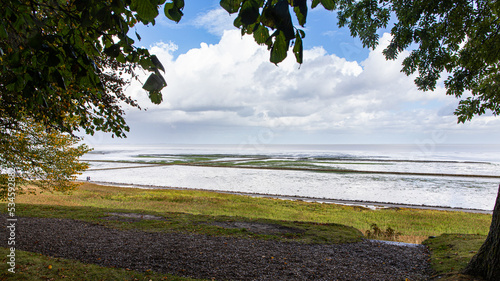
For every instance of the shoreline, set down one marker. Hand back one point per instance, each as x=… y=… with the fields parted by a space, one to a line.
x=366 y=204
x=323 y=170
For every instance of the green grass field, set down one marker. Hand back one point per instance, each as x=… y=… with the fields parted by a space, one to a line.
x=198 y=212
x=33 y=266
x=415 y=225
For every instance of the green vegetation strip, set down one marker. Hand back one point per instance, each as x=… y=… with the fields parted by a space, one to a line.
x=309 y=165
x=451 y=252
x=414 y=225
x=218 y=214
x=33 y=266
x=241 y=227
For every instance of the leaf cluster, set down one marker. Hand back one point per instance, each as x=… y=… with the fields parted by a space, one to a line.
x=44 y=158
x=377 y=233
x=259 y=17
x=61 y=58
x=67 y=58
x=460 y=39
x=456 y=37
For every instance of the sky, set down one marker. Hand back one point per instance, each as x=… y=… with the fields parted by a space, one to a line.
x=222 y=89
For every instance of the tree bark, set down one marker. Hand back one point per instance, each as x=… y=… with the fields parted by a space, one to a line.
x=486 y=263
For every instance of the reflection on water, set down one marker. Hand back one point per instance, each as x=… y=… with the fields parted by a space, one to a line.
x=452 y=191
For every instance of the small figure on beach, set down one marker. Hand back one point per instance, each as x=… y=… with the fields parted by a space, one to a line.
x=88 y=178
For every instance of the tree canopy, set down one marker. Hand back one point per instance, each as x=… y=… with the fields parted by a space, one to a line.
x=45 y=159
x=62 y=64
x=458 y=38
x=64 y=59
x=67 y=57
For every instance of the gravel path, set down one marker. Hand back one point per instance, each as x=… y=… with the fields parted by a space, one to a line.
x=221 y=258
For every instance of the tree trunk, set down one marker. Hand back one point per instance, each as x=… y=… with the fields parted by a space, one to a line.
x=486 y=263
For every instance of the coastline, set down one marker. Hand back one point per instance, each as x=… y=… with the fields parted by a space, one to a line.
x=365 y=204
x=352 y=171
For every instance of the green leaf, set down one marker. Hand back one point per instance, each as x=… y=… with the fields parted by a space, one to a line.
x=146 y=63
x=36 y=41
x=179 y=4
x=85 y=19
x=121 y=58
x=172 y=12
x=70 y=51
x=104 y=17
x=138 y=36
x=237 y=23
x=53 y=59
x=328 y=4
x=283 y=19
x=249 y=12
x=3 y=32
x=231 y=6
x=314 y=3
x=157 y=63
x=81 y=5
x=154 y=83
x=145 y=9
x=261 y=35
x=118 y=6
x=300 y=9
x=279 y=49
x=302 y=33
x=113 y=50
x=59 y=79
x=156 y=97
x=267 y=17
x=298 y=48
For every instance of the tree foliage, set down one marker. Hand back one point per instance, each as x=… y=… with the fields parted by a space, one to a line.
x=46 y=159
x=55 y=54
x=64 y=58
x=459 y=38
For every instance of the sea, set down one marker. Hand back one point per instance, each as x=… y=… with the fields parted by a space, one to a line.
x=427 y=174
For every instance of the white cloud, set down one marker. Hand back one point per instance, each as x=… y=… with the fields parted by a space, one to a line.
x=233 y=85
x=215 y=21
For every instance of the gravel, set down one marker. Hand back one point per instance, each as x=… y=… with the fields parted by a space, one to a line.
x=222 y=258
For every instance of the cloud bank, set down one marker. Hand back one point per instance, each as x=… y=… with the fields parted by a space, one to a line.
x=230 y=93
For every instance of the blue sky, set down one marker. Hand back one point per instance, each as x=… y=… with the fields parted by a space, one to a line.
x=222 y=89
x=198 y=26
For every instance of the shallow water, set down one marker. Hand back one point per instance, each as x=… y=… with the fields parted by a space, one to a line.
x=452 y=191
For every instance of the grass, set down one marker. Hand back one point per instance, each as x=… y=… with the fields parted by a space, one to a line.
x=307 y=164
x=176 y=159
x=250 y=161
x=33 y=266
x=451 y=253
x=261 y=162
x=197 y=211
x=414 y=225
x=305 y=232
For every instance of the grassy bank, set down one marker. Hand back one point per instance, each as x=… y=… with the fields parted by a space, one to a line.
x=451 y=253
x=204 y=213
x=33 y=266
x=414 y=225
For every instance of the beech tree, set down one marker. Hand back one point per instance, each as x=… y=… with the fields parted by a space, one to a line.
x=54 y=55
x=44 y=159
x=63 y=58
x=457 y=38
x=62 y=65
